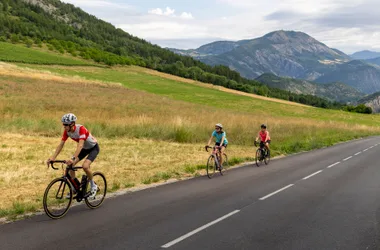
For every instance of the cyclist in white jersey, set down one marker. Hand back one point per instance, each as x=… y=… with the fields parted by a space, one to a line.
x=87 y=146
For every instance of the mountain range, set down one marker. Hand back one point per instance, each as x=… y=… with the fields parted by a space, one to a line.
x=365 y=54
x=292 y=54
x=335 y=91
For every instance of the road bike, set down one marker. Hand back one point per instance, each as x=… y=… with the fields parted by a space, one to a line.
x=213 y=162
x=262 y=154
x=60 y=193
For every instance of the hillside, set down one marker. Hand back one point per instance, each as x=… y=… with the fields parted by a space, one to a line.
x=374 y=61
x=365 y=54
x=332 y=91
x=66 y=29
x=149 y=141
x=372 y=101
x=358 y=74
x=211 y=49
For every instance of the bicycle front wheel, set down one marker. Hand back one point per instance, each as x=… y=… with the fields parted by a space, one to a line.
x=267 y=158
x=57 y=198
x=224 y=165
x=259 y=157
x=211 y=166
x=101 y=182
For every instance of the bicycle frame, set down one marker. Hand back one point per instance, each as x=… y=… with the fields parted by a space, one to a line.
x=80 y=189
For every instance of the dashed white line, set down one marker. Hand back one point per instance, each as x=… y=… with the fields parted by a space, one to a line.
x=275 y=192
x=173 y=242
x=347 y=158
x=307 y=177
x=365 y=149
x=371 y=147
x=358 y=153
x=332 y=165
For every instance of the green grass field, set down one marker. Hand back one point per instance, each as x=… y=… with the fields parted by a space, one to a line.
x=20 y=53
x=151 y=126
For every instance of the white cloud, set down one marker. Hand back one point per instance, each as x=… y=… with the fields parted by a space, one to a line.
x=170 y=13
x=186 y=15
x=347 y=25
x=158 y=11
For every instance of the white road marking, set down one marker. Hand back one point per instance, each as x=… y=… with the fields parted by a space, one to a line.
x=173 y=242
x=275 y=192
x=347 y=158
x=307 y=177
x=371 y=147
x=365 y=149
x=332 y=165
x=358 y=153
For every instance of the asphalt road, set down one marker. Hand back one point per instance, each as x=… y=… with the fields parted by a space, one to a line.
x=325 y=199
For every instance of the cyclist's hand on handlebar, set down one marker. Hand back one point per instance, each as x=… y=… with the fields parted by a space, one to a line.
x=50 y=160
x=69 y=162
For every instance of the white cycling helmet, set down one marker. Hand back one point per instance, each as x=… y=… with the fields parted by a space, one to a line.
x=68 y=118
x=219 y=125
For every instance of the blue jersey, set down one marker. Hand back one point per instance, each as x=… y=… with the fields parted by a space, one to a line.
x=219 y=136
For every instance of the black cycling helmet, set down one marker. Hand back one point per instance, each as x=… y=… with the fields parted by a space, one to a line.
x=263 y=126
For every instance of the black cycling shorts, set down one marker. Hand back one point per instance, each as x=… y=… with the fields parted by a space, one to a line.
x=91 y=152
x=223 y=145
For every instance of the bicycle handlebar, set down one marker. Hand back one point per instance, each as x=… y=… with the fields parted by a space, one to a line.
x=207 y=147
x=51 y=163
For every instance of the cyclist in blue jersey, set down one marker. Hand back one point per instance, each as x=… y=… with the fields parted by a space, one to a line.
x=220 y=140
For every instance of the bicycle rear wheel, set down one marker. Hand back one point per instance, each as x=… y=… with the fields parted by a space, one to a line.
x=211 y=166
x=259 y=157
x=101 y=182
x=55 y=202
x=267 y=158
x=224 y=165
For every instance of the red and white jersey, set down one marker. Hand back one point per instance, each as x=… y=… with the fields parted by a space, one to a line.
x=80 y=133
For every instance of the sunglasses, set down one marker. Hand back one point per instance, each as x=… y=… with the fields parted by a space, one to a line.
x=66 y=125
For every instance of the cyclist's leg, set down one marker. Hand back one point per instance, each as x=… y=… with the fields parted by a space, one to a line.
x=267 y=147
x=217 y=144
x=92 y=154
x=222 y=149
x=267 y=144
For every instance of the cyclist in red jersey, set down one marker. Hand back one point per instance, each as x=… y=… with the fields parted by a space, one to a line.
x=264 y=136
x=87 y=146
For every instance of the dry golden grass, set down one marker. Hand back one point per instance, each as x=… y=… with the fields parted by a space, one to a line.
x=137 y=130
x=7 y=69
x=125 y=162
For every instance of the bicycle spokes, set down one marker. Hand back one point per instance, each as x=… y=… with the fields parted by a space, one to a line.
x=57 y=198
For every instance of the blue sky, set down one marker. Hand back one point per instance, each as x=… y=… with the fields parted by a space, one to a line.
x=348 y=25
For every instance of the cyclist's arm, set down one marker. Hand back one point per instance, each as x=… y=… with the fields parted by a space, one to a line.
x=209 y=141
x=79 y=148
x=58 y=150
x=222 y=140
x=258 y=136
x=267 y=136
